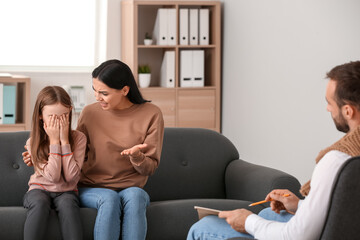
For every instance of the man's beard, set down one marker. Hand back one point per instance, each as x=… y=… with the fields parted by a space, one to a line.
x=341 y=124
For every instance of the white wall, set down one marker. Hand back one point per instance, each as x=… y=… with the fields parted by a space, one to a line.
x=275 y=57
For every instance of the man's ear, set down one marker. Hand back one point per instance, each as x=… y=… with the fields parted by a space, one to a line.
x=348 y=111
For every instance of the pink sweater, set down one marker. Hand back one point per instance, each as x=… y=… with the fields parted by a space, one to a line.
x=61 y=172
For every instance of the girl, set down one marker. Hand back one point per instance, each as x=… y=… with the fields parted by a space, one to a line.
x=57 y=154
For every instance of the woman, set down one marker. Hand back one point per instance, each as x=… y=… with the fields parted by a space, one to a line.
x=124 y=134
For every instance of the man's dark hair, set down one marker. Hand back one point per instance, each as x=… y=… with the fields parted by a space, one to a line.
x=347 y=78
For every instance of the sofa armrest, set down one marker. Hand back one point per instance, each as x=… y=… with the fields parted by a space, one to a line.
x=247 y=181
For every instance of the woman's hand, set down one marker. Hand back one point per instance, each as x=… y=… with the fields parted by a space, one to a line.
x=135 y=151
x=27 y=157
x=280 y=202
x=64 y=129
x=52 y=129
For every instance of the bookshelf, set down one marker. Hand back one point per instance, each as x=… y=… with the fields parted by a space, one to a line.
x=22 y=120
x=181 y=106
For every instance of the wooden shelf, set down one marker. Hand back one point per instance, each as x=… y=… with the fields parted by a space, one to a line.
x=22 y=120
x=181 y=107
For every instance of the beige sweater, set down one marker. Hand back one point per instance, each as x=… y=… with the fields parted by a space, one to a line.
x=349 y=144
x=109 y=133
x=61 y=172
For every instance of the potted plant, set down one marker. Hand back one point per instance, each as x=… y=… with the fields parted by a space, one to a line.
x=144 y=76
x=148 y=40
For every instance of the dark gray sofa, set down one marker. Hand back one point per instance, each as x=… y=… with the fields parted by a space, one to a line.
x=198 y=167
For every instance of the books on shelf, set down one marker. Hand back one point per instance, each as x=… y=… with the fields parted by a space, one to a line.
x=8 y=104
x=167 y=74
x=193 y=26
x=192 y=68
x=1 y=102
x=164 y=32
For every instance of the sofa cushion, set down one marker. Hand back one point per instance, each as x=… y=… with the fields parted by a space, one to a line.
x=172 y=219
x=192 y=165
x=14 y=174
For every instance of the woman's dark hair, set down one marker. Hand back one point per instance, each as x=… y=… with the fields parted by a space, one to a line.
x=116 y=74
x=347 y=78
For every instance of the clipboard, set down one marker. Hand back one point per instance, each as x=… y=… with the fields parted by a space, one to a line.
x=203 y=212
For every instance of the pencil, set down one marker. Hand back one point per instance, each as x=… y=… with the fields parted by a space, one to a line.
x=264 y=201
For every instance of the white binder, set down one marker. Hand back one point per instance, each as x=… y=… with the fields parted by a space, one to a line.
x=171 y=26
x=204 y=26
x=160 y=29
x=168 y=70
x=198 y=66
x=186 y=68
x=194 y=27
x=184 y=26
x=1 y=102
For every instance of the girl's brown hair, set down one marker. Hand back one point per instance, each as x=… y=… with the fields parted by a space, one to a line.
x=39 y=140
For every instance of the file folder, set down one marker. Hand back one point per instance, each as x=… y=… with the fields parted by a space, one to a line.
x=204 y=26
x=168 y=70
x=1 y=102
x=171 y=26
x=9 y=104
x=194 y=26
x=198 y=66
x=186 y=68
x=160 y=28
x=184 y=26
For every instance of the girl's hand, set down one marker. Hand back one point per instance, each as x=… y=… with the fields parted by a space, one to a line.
x=135 y=151
x=64 y=129
x=52 y=129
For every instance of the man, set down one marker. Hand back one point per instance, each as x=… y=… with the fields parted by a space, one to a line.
x=289 y=217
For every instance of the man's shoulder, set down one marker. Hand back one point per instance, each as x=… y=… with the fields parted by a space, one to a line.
x=333 y=159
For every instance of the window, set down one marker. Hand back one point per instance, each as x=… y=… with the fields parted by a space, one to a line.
x=56 y=33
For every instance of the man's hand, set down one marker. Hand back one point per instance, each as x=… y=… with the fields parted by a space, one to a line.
x=27 y=157
x=236 y=218
x=134 y=151
x=279 y=202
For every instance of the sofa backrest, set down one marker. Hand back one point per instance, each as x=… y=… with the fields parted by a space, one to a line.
x=14 y=174
x=192 y=165
x=343 y=217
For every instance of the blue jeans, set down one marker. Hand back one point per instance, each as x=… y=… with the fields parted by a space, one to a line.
x=214 y=228
x=123 y=211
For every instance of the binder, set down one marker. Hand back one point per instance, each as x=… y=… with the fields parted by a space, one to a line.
x=184 y=26
x=160 y=28
x=192 y=68
x=186 y=68
x=1 y=102
x=194 y=26
x=168 y=70
x=204 y=26
x=171 y=26
x=198 y=67
x=9 y=104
